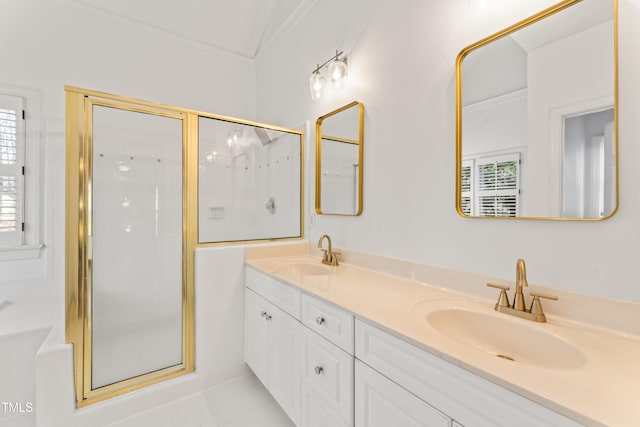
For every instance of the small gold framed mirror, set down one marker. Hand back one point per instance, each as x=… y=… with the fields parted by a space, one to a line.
x=339 y=148
x=537 y=117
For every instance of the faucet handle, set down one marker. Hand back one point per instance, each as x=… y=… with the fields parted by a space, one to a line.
x=542 y=295
x=325 y=255
x=334 y=259
x=536 y=306
x=503 y=299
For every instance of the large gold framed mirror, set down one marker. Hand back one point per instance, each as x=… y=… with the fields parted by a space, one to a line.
x=537 y=117
x=339 y=155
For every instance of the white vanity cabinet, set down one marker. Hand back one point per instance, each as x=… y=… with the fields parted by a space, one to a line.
x=327 y=369
x=327 y=364
x=273 y=343
x=302 y=350
x=394 y=373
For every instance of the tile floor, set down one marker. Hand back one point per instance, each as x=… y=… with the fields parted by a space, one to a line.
x=243 y=402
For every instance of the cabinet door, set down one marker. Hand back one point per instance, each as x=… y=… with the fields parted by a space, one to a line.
x=284 y=361
x=382 y=403
x=328 y=371
x=255 y=335
x=316 y=413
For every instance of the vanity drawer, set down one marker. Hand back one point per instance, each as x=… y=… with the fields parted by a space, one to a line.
x=461 y=395
x=327 y=373
x=329 y=321
x=283 y=296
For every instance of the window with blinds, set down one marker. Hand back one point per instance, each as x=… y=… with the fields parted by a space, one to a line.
x=467 y=187
x=11 y=170
x=491 y=186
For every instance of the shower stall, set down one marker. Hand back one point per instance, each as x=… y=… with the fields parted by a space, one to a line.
x=146 y=184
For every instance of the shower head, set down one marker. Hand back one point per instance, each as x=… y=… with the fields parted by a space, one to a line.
x=267 y=136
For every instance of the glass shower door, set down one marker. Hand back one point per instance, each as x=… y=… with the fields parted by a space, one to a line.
x=135 y=229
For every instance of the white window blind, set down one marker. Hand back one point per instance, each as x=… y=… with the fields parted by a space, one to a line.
x=12 y=135
x=467 y=187
x=491 y=186
x=498 y=189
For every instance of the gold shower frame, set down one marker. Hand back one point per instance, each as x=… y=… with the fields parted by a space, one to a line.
x=78 y=316
x=79 y=174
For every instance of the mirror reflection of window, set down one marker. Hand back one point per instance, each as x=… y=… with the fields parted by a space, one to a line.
x=522 y=91
x=491 y=186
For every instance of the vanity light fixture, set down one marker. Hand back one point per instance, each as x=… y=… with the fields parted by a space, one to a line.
x=336 y=69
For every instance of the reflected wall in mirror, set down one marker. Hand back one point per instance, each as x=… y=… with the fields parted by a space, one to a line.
x=250 y=181
x=536 y=117
x=339 y=148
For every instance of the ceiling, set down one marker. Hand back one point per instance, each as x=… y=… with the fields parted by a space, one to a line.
x=242 y=27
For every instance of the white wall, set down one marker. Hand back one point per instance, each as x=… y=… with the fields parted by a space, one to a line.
x=402 y=57
x=55 y=43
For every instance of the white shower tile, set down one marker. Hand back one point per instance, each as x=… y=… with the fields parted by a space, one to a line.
x=219 y=276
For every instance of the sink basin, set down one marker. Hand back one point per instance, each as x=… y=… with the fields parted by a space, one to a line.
x=304 y=268
x=511 y=339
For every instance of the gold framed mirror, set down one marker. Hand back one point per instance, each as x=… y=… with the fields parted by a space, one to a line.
x=339 y=161
x=537 y=117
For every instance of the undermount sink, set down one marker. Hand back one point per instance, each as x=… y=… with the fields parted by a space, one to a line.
x=304 y=268
x=508 y=338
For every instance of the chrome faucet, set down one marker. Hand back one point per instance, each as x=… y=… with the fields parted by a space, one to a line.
x=518 y=308
x=328 y=256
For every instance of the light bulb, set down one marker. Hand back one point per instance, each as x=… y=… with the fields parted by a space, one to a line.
x=338 y=72
x=316 y=85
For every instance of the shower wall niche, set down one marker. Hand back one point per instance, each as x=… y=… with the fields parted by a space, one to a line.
x=249 y=181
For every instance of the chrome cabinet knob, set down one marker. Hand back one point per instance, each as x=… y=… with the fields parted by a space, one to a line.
x=318 y=370
x=319 y=320
x=263 y=313
x=267 y=316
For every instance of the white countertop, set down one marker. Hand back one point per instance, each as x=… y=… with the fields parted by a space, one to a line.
x=602 y=389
